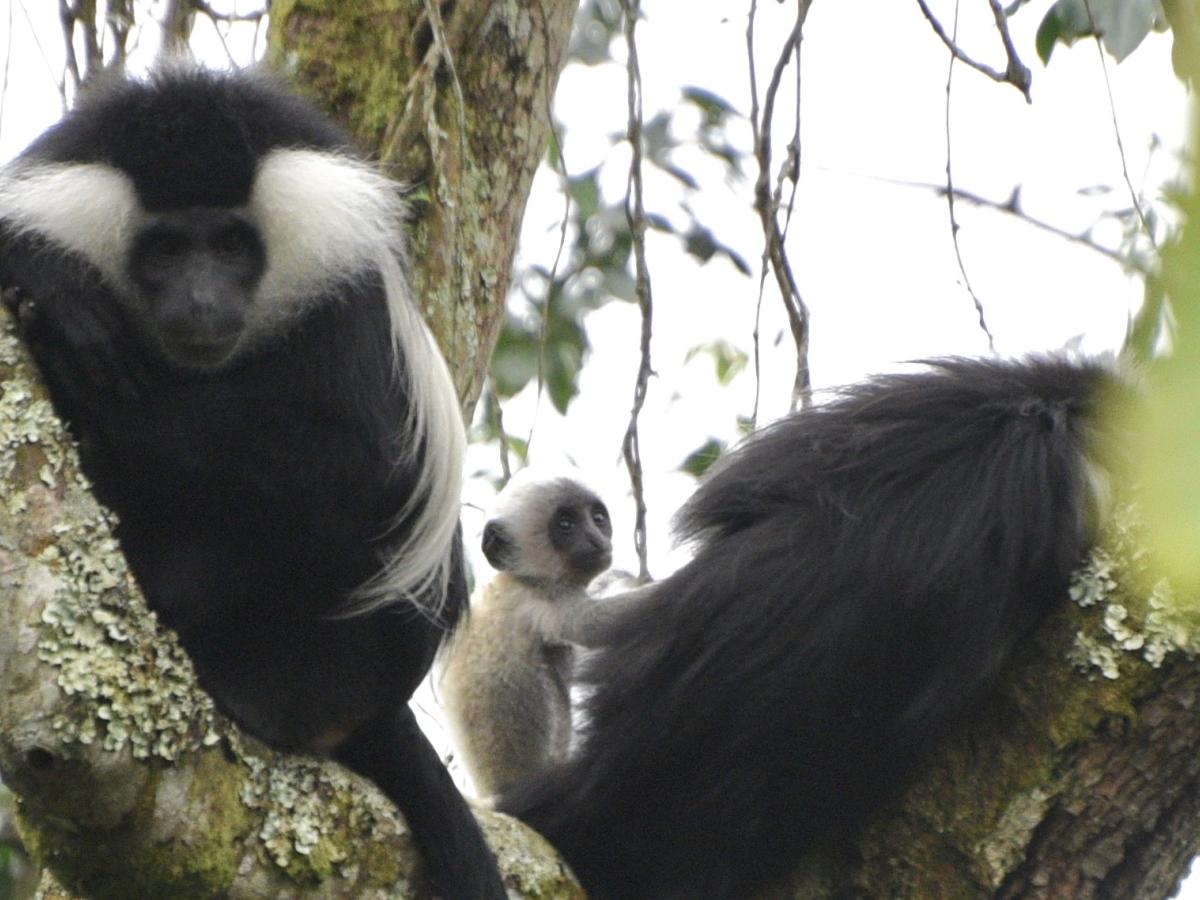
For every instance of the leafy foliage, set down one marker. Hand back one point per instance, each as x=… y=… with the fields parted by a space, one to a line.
x=1120 y=24
x=728 y=360
x=1166 y=460
x=597 y=23
x=701 y=459
x=550 y=339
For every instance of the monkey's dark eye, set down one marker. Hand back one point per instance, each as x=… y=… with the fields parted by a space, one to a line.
x=600 y=516
x=162 y=246
x=236 y=240
x=564 y=523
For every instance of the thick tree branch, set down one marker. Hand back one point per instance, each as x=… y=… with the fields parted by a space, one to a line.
x=1078 y=779
x=130 y=784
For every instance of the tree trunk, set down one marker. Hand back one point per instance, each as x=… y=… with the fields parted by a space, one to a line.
x=130 y=783
x=1080 y=778
x=456 y=97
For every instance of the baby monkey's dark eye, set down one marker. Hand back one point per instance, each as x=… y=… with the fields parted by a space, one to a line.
x=600 y=517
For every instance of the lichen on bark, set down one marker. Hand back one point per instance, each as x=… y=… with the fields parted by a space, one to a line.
x=130 y=783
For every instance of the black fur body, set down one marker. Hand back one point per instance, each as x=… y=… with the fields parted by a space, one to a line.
x=862 y=572
x=257 y=497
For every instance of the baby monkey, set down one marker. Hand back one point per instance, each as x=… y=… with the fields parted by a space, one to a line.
x=506 y=674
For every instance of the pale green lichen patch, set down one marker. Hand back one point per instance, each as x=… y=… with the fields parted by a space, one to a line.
x=1139 y=613
x=108 y=649
x=314 y=816
x=98 y=632
x=1007 y=844
x=27 y=423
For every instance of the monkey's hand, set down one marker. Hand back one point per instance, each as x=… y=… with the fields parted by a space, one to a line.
x=76 y=344
x=19 y=306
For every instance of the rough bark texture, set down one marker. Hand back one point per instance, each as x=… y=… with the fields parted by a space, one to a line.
x=130 y=784
x=1079 y=779
x=458 y=105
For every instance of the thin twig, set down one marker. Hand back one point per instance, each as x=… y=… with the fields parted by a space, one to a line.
x=766 y=204
x=7 y=63
x=1017 y=74
x=789 y=170
x=950 y=195
x=206 y=8
x=762 y=277
x=1112 y=108
x=177 y=23
x=565 y=182
x=59 y=83
x=492 y=403
x=635 y=213
x=1012 y=207
x=67 y=18
x=120 y=24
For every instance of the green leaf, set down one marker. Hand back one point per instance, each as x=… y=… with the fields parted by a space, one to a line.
x=519 y=447
x=596 y=24
x=701 y=243
x=1165 y=460
x=566 y=346
x=728 y=360
x=620 y=284
x=656 y=137
x=701 y=459
x=1121 y=24
x=1065 y=23
x=514 y=361
x=585 y=194
x=716 y=108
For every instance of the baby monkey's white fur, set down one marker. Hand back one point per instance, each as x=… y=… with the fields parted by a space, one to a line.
x=506 y=674
x=506 y=688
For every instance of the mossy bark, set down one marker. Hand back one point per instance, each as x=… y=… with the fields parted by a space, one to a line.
x=129 y=783
x=455 y=99
x=1080 y=778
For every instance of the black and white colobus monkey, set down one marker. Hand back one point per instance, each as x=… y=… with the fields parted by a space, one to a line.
x=862 y=572
x=504 y=683
x=211 y=283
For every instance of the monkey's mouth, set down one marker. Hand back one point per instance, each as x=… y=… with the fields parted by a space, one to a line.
x=196 y=352
x=594 y=563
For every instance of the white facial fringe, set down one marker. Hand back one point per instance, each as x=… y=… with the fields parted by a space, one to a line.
x=324 y=217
